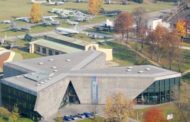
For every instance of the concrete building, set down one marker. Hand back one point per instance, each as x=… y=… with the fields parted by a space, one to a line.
x=54 y=44
x=41 y=86
x=153 y=23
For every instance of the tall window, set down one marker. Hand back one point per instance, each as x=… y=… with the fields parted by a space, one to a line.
x=70 y=96
x=24 y=101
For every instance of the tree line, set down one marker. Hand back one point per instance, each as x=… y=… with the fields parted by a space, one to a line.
x=161 y=42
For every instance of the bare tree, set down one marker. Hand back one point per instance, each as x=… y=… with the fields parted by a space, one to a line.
x=182 y=103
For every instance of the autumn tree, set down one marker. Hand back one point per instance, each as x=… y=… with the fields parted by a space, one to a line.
x=118 y=108
x=171 y=46
x=180 y=26
x=154 y=115
x=35 y=14
x=93 y=6
x=15 y=115
x=123 y=24
x=141 y=28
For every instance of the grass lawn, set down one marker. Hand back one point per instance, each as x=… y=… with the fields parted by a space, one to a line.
x=164 y=63
x=19 y=8
x=186 y=78
x=123 y=55
x=19 y=120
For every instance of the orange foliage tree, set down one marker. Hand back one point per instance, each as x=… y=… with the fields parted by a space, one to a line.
x=93 y=6
x=123 y=24
x=180 y=26
x=35 y=14
x=154 y=115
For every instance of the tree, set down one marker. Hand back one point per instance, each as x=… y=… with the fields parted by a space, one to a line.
x=180 y=26
x=141 y=27
x=154 y=115
x=93 y=7
x=123 y=24
x=58 y=118
x=35 y=14
x=118 y=108
x=171 y=46
x=159 y=34
x=182 y=104
x=15 y=115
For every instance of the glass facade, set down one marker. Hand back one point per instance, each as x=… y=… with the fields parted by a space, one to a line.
x=24 y=101
x=158 y=92
x=70 y=96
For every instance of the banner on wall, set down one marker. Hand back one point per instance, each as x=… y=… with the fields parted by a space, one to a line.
x=94 y=90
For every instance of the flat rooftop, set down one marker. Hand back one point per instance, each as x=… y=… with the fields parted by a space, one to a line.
x=46 y=71
x=67 y=39
x=56 y=46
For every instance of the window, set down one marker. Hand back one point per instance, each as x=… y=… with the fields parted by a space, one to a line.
x=44 y=50
x=158 y=92
x=50 y=52
x=70 y=96
x=24 y=101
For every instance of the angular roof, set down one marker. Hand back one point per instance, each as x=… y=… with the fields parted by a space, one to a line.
x=48 y=70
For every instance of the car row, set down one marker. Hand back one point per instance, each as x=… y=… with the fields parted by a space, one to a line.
x=78 y=116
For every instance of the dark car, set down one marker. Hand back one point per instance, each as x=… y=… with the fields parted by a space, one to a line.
x=87 y=115
x=67 y=118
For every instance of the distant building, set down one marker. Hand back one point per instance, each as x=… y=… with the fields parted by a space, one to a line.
x=153 y=23
x=42 y=86
x=55 y=44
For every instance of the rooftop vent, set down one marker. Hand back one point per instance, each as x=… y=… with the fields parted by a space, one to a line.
x=140 y=71
x=38 y=84
x=55 y=70
x=68 y=60
x=51 y=74
x=128 y=70
x=40 y=63
x=51 y=59
x=53 y=67
x=147 y=69
x=45 y=81
x=18 y=76
x=129 y=67
x=42 y=82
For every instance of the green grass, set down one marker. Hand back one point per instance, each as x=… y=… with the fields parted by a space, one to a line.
x=18 y=8
x=186 y=78
x=123 y=55
x=97 y=119
x=19 y=120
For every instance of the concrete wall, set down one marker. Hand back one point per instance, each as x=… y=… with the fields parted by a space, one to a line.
x=108 y=52
x=48 y=100
x=131 y=87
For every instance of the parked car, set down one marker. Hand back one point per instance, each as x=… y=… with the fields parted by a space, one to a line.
x=82 y=116
x=67 y=118
x=74 y=117
x=87 y=115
